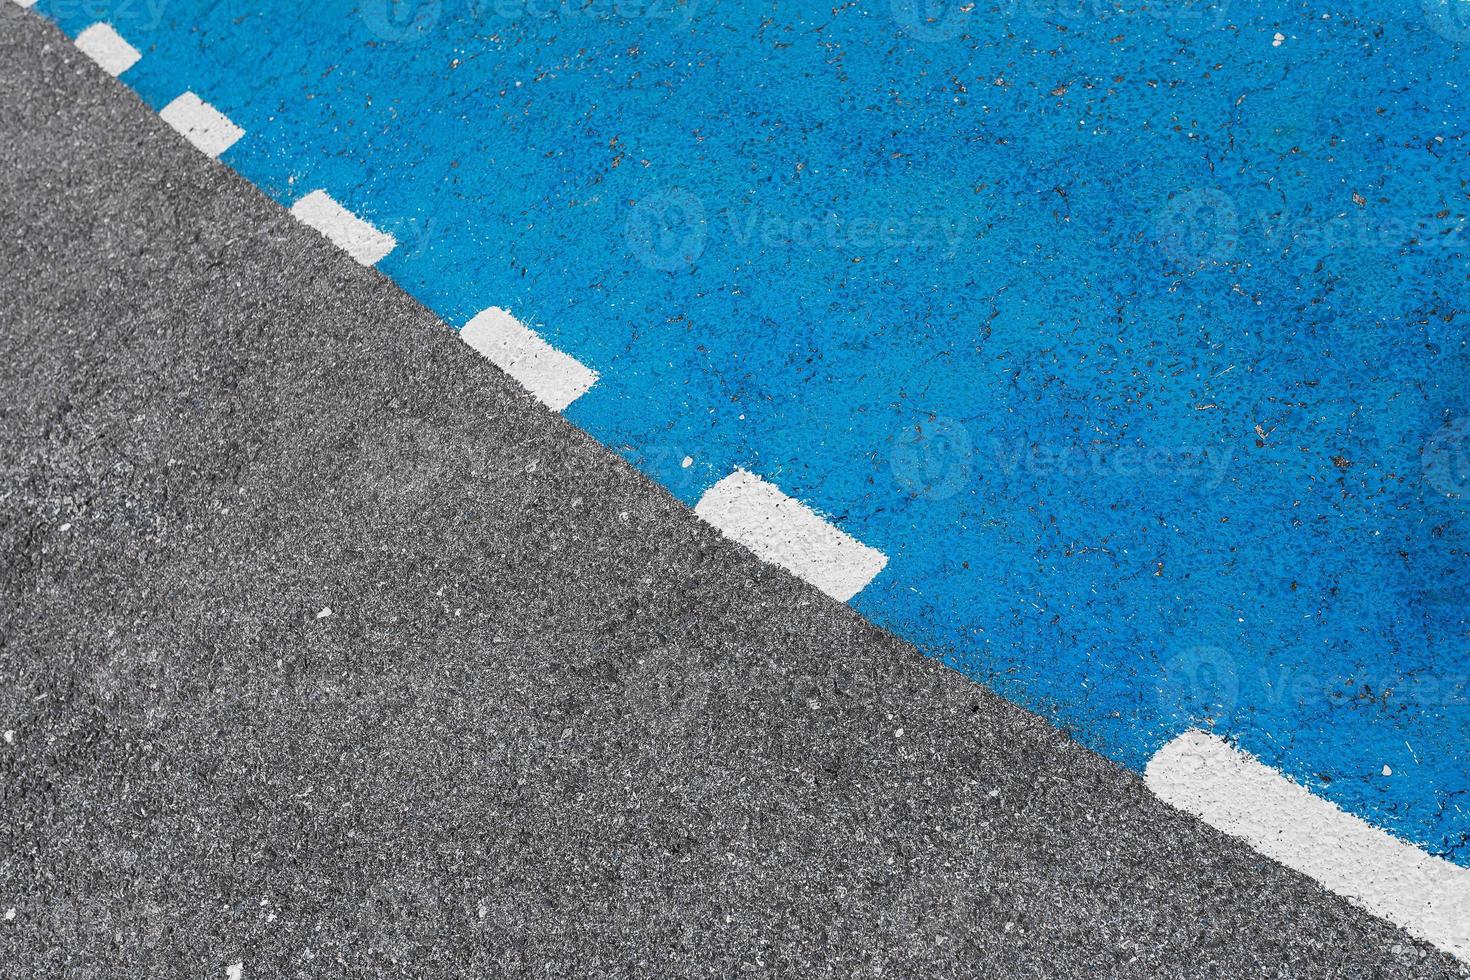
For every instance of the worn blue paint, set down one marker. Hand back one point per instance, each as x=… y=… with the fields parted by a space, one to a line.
x=1160 y=425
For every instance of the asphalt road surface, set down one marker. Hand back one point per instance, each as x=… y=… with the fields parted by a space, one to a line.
x=326 y=651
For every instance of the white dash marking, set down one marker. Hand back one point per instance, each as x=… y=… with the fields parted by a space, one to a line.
x=344 y=229
x=106 y=47
x=210 y=130
x=1234 y=792
x=325 y=613
x=235 y=971
x=786 y=532
x=10 y=736
x=26 y=3
x=9 y=914
x=555 y=378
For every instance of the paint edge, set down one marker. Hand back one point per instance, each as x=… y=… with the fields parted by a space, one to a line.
x=1237 y=794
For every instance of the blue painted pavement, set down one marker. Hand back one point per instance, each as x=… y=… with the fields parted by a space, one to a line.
x=1135 y=336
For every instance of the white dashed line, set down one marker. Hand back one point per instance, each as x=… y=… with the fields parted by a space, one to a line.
x=786 y=532
x=210 y=130
x=1232 y=791
x=235 y=971
x=26 y=3
x=555 y=378
x=106 y=47
x=344 y=229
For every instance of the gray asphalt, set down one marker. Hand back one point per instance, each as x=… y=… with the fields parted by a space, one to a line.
x=553 y=725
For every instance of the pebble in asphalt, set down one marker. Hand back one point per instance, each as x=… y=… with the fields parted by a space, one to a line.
x=327 y=652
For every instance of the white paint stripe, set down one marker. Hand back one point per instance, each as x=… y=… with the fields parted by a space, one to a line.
x=556 y=379
x=106 y=47
x=210 y=130
x=784 y=531
x=1234 y=792
x=344 y=229
x=26 y=3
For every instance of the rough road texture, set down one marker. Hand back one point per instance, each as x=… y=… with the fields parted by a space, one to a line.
x=552 y=725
